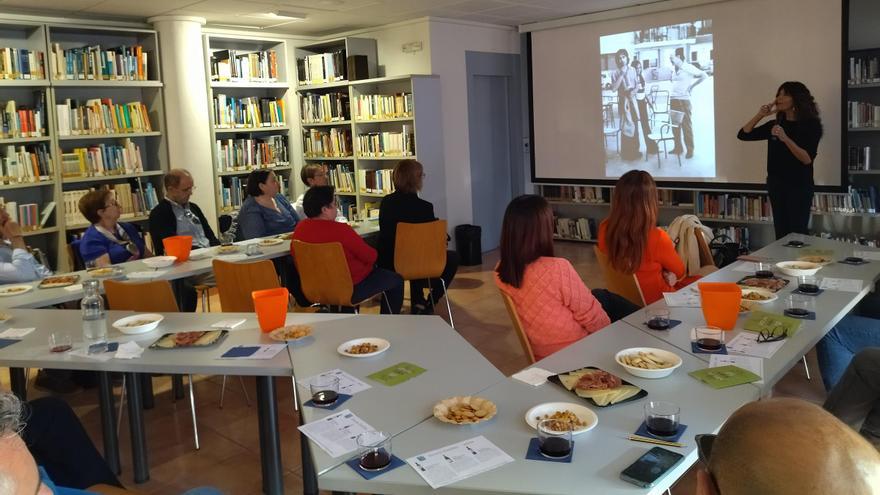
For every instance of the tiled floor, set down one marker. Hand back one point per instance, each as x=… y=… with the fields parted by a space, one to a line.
x=229 y=454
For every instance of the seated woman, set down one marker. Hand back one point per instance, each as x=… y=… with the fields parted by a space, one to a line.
x=16 y=263
x=554 y=305
x=266 y=211
x=404 y=205
x=633 y=242
x=108 y=241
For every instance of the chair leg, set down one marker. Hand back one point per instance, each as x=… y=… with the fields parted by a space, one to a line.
x=448 y=306
x=192 y=406
x=121 y=406
x=222 y=391
x=806 y=368
x=247 y=398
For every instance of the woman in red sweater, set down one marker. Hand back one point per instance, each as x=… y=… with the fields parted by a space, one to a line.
x=633 y=242
x=554 y=305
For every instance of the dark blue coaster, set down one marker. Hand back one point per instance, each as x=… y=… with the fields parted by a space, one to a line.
x=112 y=346
x=672 y=324
x=103 y=347
x=241 y=351
x=368 y=475
x=643 y=432
x=697 y=350
x=797 y=291
x=811 y=315
x=796 y=246
x=339 y=401
x=854 y=263
x=534 y=453
x=7 y=342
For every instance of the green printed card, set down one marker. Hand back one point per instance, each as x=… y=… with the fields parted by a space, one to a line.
x=397 y=374
x=724 y=376
x=762 y=321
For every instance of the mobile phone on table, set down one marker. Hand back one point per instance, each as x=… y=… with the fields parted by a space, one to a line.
x=651 y=467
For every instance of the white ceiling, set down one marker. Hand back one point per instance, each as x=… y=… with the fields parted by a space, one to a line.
x=323 y=16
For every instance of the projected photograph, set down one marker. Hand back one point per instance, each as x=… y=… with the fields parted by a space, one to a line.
x=658 y=104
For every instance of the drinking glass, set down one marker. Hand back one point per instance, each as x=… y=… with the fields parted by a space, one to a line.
x=799 y=306
x=375 y=450
x=662 y=418
x=59 y=342
x=709 y=338
x=252 y=250
x=91 y=264
x=808 y=284
x=657 y=318
x=226 y=239
x=325 y=390
x=763 y=269
x=554 y=438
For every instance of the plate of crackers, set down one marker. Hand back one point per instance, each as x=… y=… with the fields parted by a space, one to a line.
x=581 y=418
x=14 y=290
x=270 y=241
x=291 y=333
x=465 y=410
x=58 y=281
x=598 y=386
x=363 y=347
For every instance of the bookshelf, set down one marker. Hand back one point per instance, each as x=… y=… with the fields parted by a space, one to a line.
x=250 y=76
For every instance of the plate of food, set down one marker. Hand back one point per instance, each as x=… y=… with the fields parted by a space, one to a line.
x=288 y=236
x=820 y=259
x=773 y=284
x=160 y=261
x=648 y=362
x=227 y=249
x=270 y=241
x=291 y=333
x=798 y=268
x=465 y=410
x=184 y=340
x=598 y=386
x=137 y=324
x=14 y=290
x=58 y=281
x=581 y=418
x=104 y=271
x=758 y=295
x=364 y=347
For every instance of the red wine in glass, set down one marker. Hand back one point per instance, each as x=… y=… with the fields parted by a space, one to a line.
x=324 y=397
x=709 y=344
x=797 y=312
x=764 y=274
x=808 y=288
x=658 y=323
x=61 y=348
x=662 y=427
x=556 y=447
x=375 y=460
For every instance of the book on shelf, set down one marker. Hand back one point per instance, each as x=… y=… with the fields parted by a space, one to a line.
x=244 y=66
x=369 y=211
x=733 y=206
x=376 y=181
x=379 y=144
x=861 y=114
x=341 y=176
x=46 y=213
x=577 y=194
x=331 y=143
x=26 y=163
x=858 y=158
x=583 y=229
x=233 y=191
x=22 y=121
x=863 y=70
x=101 y=116
x=249 y=112
x=251 y=153
x=855 y=200
x=321 y=68
x=29 y=216
x=21 y=63
x=328 y=107
x=374 y=107
x=132 y=201
x=94 y=63
x=11 y=208
x=102 y=160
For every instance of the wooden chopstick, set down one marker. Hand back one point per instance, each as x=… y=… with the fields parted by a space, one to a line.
x=639 y=438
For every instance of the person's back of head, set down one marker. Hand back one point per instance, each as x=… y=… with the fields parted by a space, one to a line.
x=526 y=235
x=316 y=199
x=791 y=447
x=407 y=176
x=633 y=215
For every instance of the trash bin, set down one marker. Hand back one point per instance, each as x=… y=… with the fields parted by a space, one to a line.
x=468 y=245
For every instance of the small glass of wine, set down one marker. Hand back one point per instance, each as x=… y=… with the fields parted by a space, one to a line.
x=325 y=390
x=375 y=450
x=798 y=306
x=763 y=269
x=709 y=338
x=808 y=284
x=657 y=318
x=662 y=418
x=60 y=342
x=554 y=438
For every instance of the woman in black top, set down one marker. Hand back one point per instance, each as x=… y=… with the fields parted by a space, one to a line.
x=792 y=141
x=404 y=205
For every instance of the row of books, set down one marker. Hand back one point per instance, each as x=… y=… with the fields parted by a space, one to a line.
x=28 y=215
x=233 y=191
x=341 y=176
x=863 y=70
x=101 y=116
x=583 y=229
x=376 y=181
x=21 y=63
x=577 y=194
x=247 y=153
x=855 y=200
x=733 y=206
x=248 y=112
x=862 y=114
x=101 y=160
x=132 y=201
x=321 y=68
x=21 y=121
x=387 y=143
x=850 y=238
x=231 y=65
x=327 y=107
x=333 y=142
x=26 y=163
x=858 y=158
x=122 y=63
x=670 y=197
x=737 y=234
x=369 y=211
x=373 y=107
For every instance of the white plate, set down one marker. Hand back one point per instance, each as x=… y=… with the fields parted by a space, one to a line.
x=798 y=268
x=583 y=413
x=270 y=241
x=764 y=292
x=154 y=320
x=15 y=290
x=160 y=261
x=383 y=344
x=667 y=356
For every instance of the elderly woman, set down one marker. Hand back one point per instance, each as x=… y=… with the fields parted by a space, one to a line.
x=108 y=241
x=266 y=211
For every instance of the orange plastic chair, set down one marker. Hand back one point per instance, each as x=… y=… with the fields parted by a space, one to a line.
x=619 y=283
x=236 y=282
x=517 y=326
x=420 y=253
x=324 y=274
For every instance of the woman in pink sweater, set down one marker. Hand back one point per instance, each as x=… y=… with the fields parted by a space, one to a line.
x=553 y=304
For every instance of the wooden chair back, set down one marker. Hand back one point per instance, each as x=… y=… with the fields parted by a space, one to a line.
x=323 y=273
x=236 y=281
x=706 y=258
x=517 y=326
x=619 y=283
x=148 y=297
x=420 y=250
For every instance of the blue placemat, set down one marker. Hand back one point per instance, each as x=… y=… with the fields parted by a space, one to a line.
x=672 y=324
x=643 y=432
x=241 y=351
x=696 y=350
x=811 y=315
x=854 y=263
x=368 y=475
x=814 y=294
x=339 y=401
x=534 y=453
x=7 y=342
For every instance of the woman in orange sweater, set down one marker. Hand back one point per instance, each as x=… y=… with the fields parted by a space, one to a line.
x=633 y=242
x=554 y=305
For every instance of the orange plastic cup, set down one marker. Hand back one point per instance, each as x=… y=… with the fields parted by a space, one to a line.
x=178 y=245
x=271 y=307
x=720 y=302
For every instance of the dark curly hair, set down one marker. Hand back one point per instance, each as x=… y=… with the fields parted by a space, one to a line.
x=804 y=104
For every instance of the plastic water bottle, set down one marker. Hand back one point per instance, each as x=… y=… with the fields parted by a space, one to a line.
x=94 y=318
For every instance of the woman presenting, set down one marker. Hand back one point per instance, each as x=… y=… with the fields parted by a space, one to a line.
x=792 y=140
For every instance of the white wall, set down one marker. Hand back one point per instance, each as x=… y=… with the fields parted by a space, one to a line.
x=389 y=41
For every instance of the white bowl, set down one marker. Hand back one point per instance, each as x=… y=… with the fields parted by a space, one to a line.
x=548 y=408
x=129 y=324
x=798 y=268
x=160 y=261
x=381 y=344
x=669 y=357
x=766 y=293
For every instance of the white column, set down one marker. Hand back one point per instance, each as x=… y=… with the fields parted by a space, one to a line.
x=187 y=121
